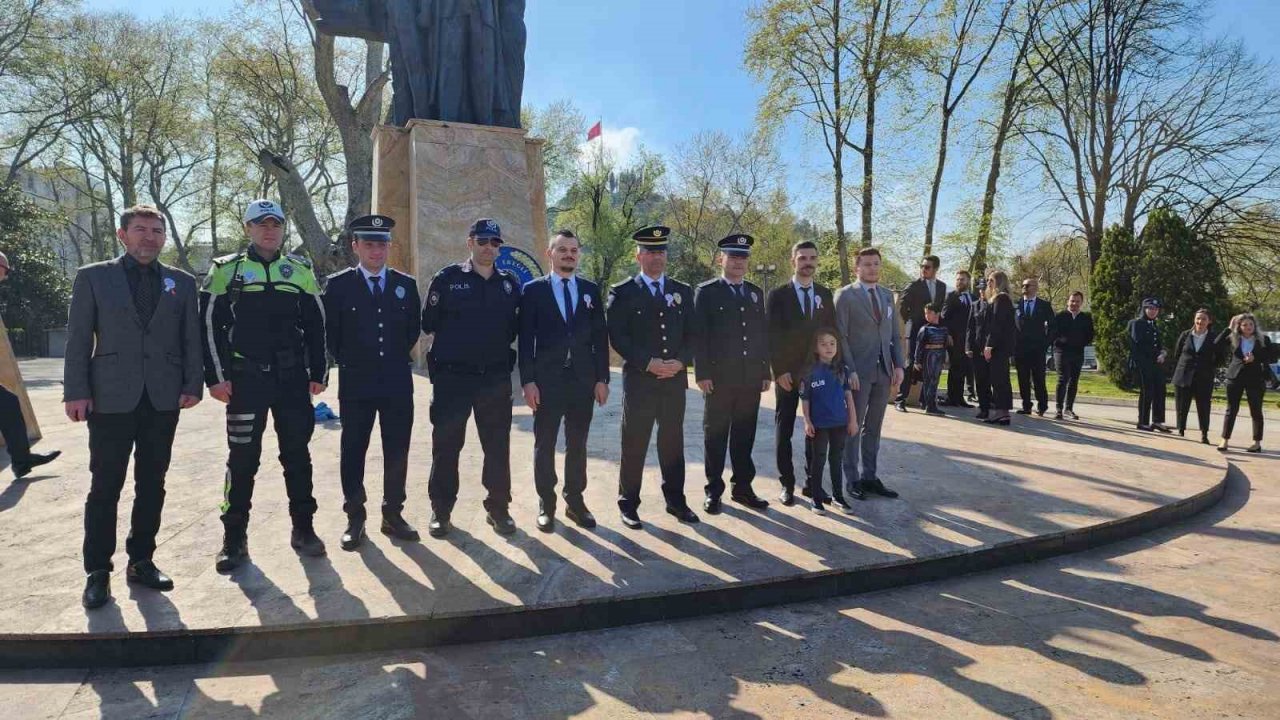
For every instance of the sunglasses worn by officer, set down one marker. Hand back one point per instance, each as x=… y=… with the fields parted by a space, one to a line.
x=486 y=241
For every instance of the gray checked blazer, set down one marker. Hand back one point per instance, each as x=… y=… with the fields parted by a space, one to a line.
x=112 y=358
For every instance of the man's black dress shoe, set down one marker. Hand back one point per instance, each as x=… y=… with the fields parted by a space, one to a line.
x=900 y=406
x=353 y=536
x=97 y=589
x=34 y=460
x=501 y=522
x=394 y=526
x=146 y=574
x=631 y=519
x=788 y=497
x=983 y=414
x=438 y=527
x=546 y=521
x=1024 y=411
x=711 y=505
x=856 y=491
x=305 y=541
x=580 y=516
x=683 y=514
x=752 y=500
x=879 y=489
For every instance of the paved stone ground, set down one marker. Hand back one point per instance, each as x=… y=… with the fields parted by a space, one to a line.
x=963 y=485
x=1181 y=623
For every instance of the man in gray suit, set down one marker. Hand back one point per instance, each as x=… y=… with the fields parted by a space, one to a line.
x=869 y=336
x=133 y=361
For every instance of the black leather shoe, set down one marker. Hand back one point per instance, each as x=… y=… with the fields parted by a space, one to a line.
x=34 y=460
x=1071 y=414
x=235 y=548
x=501 y=522
x=305 y=541
x=97 y=589
x=631 y=519
x=1040 y=412
x=856 y=492
x=353 y=536
x=580 y=516
x=394 y=526
x=546 y=521
x=750 y=500
x=146 y=574
x=881 y=490
x=963 y=404
x=1204 y=438
x=788 y=497
x=1161 y=427
x=711 y=505
x=439 y=526
x=1146 y=428
x=935 y=412
x=683 y=514
x=1024 y=411
x=900 y=406
x=983 y=414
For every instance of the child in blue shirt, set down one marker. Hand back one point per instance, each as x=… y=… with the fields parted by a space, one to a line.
x=829 y=415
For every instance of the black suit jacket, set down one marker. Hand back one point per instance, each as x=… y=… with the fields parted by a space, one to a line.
x=731 y=341
x=1034 y=331
x=1001 y=327
x=790 y=332
x=1264 y=352
x=975 y=335
x=955 y=315
x=545 y=340
x=1196 y=367
x=642 y=327
x=914 y=297
x=1071 y=335
x=371 y=343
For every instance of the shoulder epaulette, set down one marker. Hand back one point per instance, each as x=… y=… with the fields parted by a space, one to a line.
x=404 y=275
x=343 y=271
x=225 y=259
x=620 y=285
x=706 y=283
x=301 y=260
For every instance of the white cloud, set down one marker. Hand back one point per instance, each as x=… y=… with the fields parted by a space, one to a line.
x=621 y=144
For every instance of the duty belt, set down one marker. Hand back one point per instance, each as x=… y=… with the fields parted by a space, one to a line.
x=283 y=361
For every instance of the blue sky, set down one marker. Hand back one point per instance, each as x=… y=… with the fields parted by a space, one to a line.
x=658 y=71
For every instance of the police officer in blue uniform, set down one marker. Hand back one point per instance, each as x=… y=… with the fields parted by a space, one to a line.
x=650 y=320
x=372 y=326
x=472 y=310
x=731 y=363
x=1146 y=356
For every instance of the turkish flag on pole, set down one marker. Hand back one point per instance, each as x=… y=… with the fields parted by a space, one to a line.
x=594 y=132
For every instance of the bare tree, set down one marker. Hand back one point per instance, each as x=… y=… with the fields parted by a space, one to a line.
x=957 y=63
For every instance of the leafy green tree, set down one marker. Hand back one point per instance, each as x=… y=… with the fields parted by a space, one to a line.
x=35 y=297
x=1114 y=303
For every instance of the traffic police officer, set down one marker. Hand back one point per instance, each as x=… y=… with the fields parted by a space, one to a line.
x=731 y=365
x=472 y=310
x=264 y=350
x=372 y=324
x=651 y=326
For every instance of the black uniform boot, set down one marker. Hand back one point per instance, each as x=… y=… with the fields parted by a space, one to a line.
x=304 y=540
x=235 y=549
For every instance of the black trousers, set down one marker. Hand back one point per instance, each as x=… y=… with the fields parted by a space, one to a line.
x=395 y=423
x=647 y=400
x=1001 y=388
x=455 y=397
x=1150 y=394
x=828 y=442
x=1069 y=367
x=729 y=423
x=147 y=434
x=1031 y=378
x=285 y=394
x=909 y=372
x=960 y=372
x=569 y=401
x=1254 y=390
x=786 y=402
x=982 y=380
x=14 y=428
x=1202 y=393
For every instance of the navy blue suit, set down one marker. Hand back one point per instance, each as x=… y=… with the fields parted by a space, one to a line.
x=565 y=360
x=371 y=341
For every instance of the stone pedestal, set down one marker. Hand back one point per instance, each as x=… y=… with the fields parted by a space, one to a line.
x=437 y=178
x=11 y=378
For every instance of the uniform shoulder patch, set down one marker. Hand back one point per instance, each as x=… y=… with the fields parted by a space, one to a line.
x=299 y=259
x=225 y=259
x=339 y=273
x=620 y=285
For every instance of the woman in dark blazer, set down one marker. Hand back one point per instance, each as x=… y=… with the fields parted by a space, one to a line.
x=998 y=346
x=1250 y=352
x=1197 y=354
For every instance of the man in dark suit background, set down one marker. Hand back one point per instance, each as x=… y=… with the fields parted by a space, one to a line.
x=371 y=326
x=955 y=318
x=1034 y=318
x=795 y=311
x=128 y=374
x=1072 y=332
x=920 y=292
x=564 y=366
x=731 y=366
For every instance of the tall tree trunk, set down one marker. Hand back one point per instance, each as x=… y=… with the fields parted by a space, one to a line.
x=868 y=163
x=842 y=240
x=296 y=199
x=937 y=179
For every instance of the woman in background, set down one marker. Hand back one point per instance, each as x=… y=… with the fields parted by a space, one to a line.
x=1197 y=354
x=998 y=344
x=1251 y=351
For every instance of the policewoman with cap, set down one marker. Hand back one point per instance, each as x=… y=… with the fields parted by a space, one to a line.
x=731 y=366
x=472 y=310
x=264 y=349
x=372 y=324
x=1146 y=355
x=650 y=320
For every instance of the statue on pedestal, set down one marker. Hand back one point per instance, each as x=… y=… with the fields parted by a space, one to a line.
x=451 y=60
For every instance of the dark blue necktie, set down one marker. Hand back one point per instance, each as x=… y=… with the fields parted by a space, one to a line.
x=808 y=303
x=377 y=287
x=657 y=289
x=568 y=302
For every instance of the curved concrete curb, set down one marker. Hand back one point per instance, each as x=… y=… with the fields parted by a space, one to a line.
x=173 y=647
